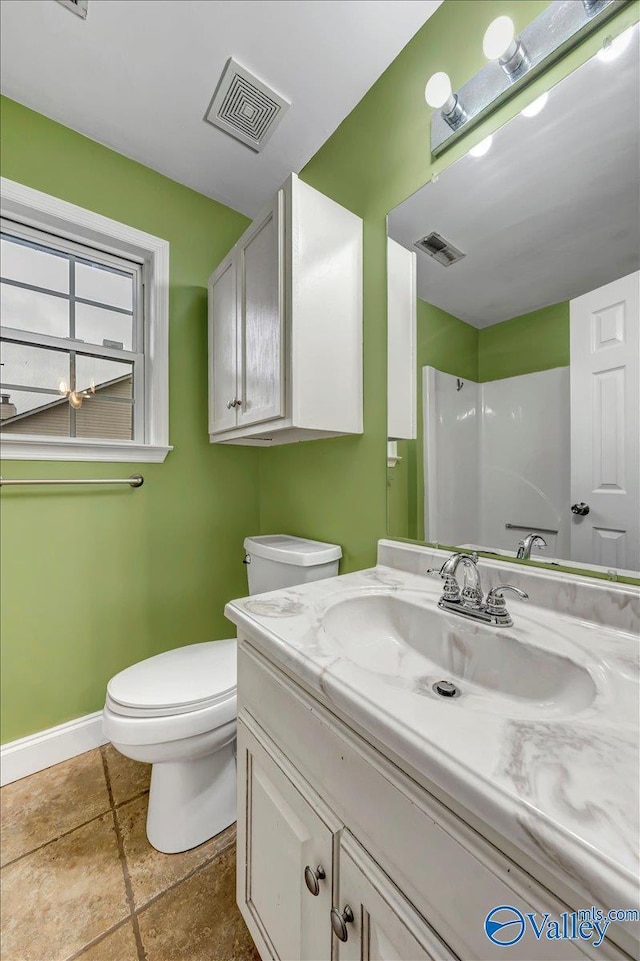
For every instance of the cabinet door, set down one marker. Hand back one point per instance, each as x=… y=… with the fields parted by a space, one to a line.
x=282 y=830
x=261 y=301
x=222 y=346
x=402 y=364
x=385 y=926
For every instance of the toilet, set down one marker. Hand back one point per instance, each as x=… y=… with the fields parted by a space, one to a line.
x=177 y=710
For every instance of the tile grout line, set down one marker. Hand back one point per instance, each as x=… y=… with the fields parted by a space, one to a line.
x=187 y=877
x=142 y=955
x=59 y=837
x=77 y=827
x=100 y=938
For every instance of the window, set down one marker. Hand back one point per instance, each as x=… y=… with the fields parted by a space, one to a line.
x=72 y=336
x=83 y=334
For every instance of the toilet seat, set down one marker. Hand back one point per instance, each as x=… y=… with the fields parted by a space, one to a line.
x=179 y=681
x=178 y=694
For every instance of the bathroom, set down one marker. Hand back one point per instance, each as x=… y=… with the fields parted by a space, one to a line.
x=399 y=760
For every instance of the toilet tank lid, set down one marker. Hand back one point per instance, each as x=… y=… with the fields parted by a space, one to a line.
x=288 y=549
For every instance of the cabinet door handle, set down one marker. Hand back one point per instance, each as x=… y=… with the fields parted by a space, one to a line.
x=339 y=922
x=312 y=879
x=234 y=403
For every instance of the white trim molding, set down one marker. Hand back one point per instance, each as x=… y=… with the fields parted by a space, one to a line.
x=44 y=212
x=34 y=447
x=38 y=751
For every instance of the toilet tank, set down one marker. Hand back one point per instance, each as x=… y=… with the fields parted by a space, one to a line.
x=276 y=561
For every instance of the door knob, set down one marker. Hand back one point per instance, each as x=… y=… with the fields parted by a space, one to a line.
x=312 y=879
x=234 y=403
x=339 y=922
x=580 y=509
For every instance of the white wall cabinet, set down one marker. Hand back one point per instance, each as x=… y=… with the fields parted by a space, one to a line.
x=402 y=371
x=285 y=325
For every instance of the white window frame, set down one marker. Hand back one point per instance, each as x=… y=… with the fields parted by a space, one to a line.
x=43 y=212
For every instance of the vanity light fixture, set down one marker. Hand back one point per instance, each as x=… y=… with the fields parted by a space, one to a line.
x=482 y=148
x=591 y=7
x=514 y=61
x=439 y=94
x=536 y=106
x=500 y=43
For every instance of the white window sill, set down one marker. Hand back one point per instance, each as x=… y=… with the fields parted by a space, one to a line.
x=75 y=449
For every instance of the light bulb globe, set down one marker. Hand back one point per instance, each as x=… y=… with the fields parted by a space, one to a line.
x=481 y=148
x=535 y=107
x=498 y=38
x=437 y=90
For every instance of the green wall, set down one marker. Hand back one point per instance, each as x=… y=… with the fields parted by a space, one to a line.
x=522 y=345
x=94 y=579
x=379 y=155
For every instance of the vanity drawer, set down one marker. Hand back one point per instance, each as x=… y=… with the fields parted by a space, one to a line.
x=445 y=868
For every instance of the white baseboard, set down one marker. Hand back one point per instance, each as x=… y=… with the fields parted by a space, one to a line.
x=39 y=751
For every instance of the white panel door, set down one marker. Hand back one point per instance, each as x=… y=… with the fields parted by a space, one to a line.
x=385 y=926
x=280 y=834
x=261 y=300
x=605 y=424
x=222 y=346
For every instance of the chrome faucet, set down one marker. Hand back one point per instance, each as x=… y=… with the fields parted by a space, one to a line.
x=469 y=602
x=527 y=544
x=471 y=594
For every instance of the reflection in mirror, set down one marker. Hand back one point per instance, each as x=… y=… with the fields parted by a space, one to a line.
x=526 y=361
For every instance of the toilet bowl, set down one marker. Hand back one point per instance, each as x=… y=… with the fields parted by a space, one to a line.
x=177 y=711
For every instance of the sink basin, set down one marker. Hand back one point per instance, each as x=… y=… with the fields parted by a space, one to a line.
x=415 y=644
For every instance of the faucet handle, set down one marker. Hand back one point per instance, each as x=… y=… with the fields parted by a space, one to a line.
x=451 y=590
x=496 y=603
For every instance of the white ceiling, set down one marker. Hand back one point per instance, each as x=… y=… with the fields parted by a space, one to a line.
x=138 y=76
x=549 y=213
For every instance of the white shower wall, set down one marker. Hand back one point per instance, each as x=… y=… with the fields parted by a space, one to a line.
x=451 y=453
x=497 y=453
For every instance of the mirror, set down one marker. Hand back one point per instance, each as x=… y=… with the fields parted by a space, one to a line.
x=517 y=404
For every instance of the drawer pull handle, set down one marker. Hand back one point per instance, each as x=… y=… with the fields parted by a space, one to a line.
x=312 y=879
x=339 y=922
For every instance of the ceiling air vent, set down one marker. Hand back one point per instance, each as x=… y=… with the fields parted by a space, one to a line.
x=245 y=107
x=76 y=6
x=440 y=249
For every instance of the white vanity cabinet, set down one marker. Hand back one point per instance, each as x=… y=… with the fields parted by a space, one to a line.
x=334 y=839
x=284 y=830
x=301 y=866
x=285 y=325
x=385 y=926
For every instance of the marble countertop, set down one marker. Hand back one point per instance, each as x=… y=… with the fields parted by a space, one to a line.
x=561 y=787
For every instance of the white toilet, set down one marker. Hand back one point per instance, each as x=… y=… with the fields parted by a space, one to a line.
x=177 y=711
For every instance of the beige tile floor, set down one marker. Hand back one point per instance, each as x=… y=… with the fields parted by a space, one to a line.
x=80 y=882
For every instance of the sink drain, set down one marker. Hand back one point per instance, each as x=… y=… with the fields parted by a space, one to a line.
x=446 y=689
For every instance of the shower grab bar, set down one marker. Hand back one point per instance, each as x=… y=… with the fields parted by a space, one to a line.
x=136 y=480
x=529 y=527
